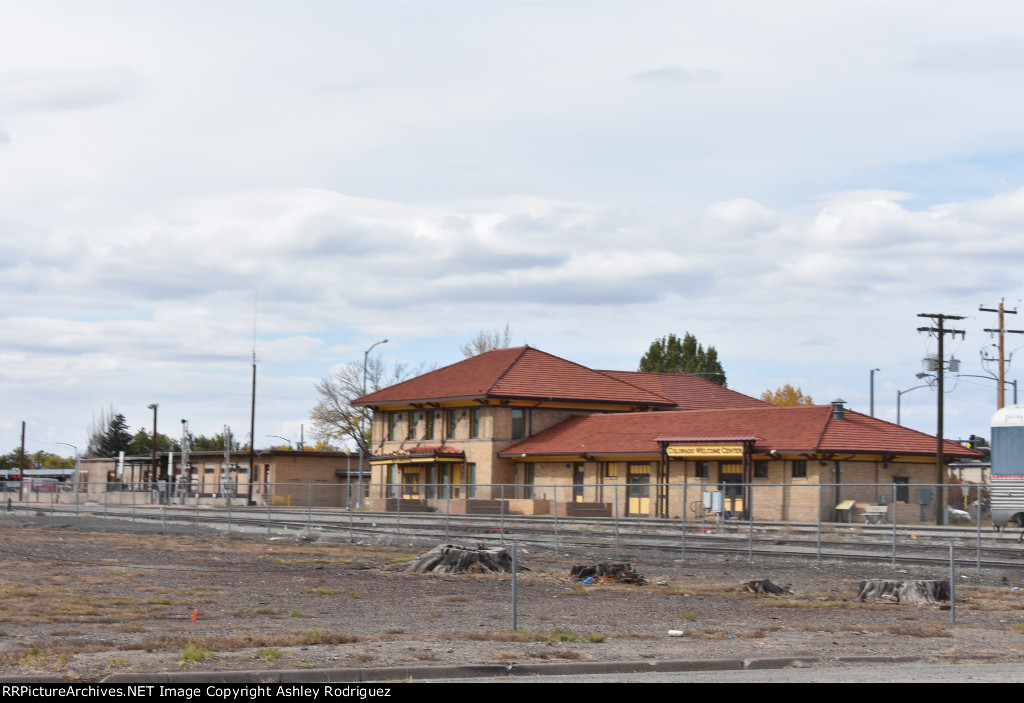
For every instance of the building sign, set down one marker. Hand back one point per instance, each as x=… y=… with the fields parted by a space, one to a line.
x=705 y=451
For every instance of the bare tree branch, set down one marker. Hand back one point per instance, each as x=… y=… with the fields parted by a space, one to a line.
x=334 y=416
x=487 y=340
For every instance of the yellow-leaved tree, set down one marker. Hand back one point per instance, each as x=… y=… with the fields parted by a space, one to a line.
x=787 y=395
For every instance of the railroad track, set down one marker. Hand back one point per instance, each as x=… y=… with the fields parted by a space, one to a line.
x=623 y=539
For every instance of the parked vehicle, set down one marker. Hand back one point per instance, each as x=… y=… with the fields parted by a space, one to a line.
x=1008 y=467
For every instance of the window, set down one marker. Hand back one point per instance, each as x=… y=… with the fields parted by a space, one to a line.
x=471 y=480
x=451 y=418
x=611 y=470
x=392 y=424
x=517 y=423
x=428 y=424
x=902 y=488
x=800 y=468
x=703 y=469
x=474 y=422
x=410 y=432
x=761 y=468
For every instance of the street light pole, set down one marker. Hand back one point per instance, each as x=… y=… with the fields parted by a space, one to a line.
x=153 y=471
x=359 y=498
x=873 y=393
x=74 y=481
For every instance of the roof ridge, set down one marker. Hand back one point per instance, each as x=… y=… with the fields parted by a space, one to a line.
x=824 y=427
x=512 y=363
x=608 y=373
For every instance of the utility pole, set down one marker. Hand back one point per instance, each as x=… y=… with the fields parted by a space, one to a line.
x=1002 y=332
x=940 y=469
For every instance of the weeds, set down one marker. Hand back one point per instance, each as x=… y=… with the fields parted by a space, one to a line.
x=193 y=655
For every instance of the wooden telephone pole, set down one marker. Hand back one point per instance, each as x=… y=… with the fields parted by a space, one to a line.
x=1002 y=332
x=940 y=465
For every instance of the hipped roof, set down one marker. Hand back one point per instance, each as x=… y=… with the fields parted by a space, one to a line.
x=809 y=429
x=517 y=373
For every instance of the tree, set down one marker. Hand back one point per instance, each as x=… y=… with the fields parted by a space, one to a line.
x=334 y=416
x=202 y=443
x=142 y=443
x=787 y=395
x=487 y=340
x=116 y=439
x=673 y=355
x=98 y=430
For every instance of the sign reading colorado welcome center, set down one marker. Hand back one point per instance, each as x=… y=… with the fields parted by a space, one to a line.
x=705 y=451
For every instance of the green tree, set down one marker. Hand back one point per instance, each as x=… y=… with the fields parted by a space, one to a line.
x=117 y=438
x=786 y=396
x=673 y=355
x=202 y=443
x=142 y=443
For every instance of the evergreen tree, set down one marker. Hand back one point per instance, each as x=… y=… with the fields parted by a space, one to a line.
x=673 y=355
x=117 y=438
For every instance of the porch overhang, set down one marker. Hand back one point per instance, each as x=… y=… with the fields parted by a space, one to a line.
x=420 y=455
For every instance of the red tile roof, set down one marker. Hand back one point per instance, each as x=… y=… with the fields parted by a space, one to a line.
x=688 y=392
x=516 y=373
x=803 y=429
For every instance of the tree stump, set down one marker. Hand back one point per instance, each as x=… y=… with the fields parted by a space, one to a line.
x=765 y=586
x=621 y=573
x=915 y=592
x=455 y=559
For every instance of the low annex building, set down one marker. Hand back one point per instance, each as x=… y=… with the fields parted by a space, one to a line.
x=545 y=434
x=291 y=476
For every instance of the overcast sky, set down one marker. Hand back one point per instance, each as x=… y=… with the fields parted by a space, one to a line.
x=793 y=183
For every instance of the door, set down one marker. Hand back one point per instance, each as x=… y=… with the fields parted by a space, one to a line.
x=411 y=485
x=577 y=483
x=638 y=490
x=732 y=487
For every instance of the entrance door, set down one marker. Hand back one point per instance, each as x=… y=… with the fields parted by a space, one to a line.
x=638 y=490
x=732 y=487
x=411 y=485
x=577 y=483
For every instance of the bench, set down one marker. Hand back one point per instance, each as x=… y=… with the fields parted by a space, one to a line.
x=876 y=514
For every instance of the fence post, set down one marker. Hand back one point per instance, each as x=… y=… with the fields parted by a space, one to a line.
x=447 y=513
x=682 y=541
x=351 y=516
x=195 y=519
x=820 y=489
x=978 y=520
x=309 y=507
x=952 y=584
x=554 y=503
x=501 y=507
x=618 y=537
x=268 y=496
x=398 y=517
x=893 y=504
x=750 y=522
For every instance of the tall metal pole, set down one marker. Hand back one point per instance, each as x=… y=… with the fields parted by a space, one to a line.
x=252 y=433
x=362 y=435
x=154 y=475
x=873 y=393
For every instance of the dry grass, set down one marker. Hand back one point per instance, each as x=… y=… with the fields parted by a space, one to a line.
x=711 y=633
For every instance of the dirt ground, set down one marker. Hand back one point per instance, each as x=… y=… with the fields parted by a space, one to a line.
x=88 y=604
